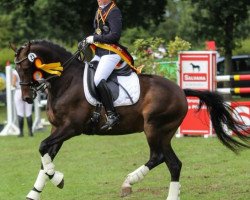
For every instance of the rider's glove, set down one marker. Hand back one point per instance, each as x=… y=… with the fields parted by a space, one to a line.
x=81 y=44
x=90 y=39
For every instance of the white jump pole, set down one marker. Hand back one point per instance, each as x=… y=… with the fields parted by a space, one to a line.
x=10 y=128
x=38 y=122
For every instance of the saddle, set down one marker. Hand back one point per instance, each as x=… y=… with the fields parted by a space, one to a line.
x=123 y=83
x=112 y=81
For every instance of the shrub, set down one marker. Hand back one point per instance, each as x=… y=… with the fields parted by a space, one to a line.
x=5 y=55
x=146 y=49
x=174 y=47
x=244 y=47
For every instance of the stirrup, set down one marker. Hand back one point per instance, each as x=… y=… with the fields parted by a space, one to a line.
x=96 y=114
x=112 y=120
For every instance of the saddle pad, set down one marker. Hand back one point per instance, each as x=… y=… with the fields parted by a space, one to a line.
x=130 y=83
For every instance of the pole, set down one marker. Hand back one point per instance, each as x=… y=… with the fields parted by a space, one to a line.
x=10 y=128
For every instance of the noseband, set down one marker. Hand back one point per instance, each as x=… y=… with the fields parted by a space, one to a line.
x=35 y=86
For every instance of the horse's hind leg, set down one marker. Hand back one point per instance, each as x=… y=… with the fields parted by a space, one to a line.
x=140 y=173
x=174 y=166
x=156 y=158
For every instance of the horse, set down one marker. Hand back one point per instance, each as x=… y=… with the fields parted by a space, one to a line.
x=195 y=67
x=159 y=111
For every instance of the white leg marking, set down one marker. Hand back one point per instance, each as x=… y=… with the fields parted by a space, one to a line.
x=41 y=180
x=57 y=178
x=48 y=166
x=39 y=185
x=33 y=195
x=174 y=191
x=135 y=176
x=49 y=169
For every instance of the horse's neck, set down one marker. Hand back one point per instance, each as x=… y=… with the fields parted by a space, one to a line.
x=71 y=76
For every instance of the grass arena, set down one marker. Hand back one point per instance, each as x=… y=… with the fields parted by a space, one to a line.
x=95 y=167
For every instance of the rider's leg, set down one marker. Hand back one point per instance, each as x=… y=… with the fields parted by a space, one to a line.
x=28 y=112
x=30 y=122
x=20 y=125
x=105 y=67
x=107 y=101
x=19 y=105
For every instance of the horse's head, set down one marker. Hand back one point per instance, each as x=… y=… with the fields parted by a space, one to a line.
x=36 y=62
x=24 y=61
x=39 y=61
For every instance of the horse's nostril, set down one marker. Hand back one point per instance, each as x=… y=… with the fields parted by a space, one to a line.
x=28 y=100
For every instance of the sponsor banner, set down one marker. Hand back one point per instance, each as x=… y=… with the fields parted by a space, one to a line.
x=243 y=112
x=196 y=123
x=197 y=71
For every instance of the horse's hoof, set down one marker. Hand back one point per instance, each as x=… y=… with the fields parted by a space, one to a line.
x=126 y=191
x=29 y=199
x=61 y=185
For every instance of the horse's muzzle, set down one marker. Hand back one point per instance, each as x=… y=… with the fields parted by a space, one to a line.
x=28 y=100
x=28 y=95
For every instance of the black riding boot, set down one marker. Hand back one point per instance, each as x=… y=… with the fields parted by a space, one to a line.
x=29 y=122
x=107 y=101
x=20 y=125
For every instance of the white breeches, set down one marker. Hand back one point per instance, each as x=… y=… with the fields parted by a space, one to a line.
x=107 y=64
x=22 y=107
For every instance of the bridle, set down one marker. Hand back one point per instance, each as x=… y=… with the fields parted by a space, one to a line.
x=42 y=85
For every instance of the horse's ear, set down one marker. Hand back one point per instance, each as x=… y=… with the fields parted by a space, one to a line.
x=13 y=46
x=27 y=48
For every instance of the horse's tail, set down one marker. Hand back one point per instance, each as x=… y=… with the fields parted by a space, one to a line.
x=221 y=117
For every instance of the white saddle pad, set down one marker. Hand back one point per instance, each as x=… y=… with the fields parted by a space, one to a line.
x=130 y=83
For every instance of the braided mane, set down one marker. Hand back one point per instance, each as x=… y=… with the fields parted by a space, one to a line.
x=48 y=44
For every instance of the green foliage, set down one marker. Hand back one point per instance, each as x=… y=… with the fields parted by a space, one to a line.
x=6 y=54
x=144 y=50
x=168 y=68
x=243 y=48
x=223 y=21
x=67 y=20
x=130 y=35
x=2 y=84
x=177 y=45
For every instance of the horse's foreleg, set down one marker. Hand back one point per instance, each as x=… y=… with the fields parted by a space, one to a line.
x=47 y=170
x=140 y=173
x=174 y=166
x=55 y=177
x=48 y=149
x=41 y=180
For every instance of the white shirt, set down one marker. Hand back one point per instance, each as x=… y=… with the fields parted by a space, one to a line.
x=14 y=72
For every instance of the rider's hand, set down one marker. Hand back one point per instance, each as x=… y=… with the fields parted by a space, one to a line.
x=90 y=39
x=81 y=44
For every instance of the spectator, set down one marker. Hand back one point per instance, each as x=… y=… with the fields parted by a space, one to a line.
x=23 y=108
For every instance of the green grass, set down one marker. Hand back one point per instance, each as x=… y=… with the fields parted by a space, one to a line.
x=95 y=167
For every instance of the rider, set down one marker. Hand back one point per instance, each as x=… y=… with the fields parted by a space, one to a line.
x=108 y=27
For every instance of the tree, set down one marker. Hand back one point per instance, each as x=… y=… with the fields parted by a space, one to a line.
x=69 y=20
x=222 y=21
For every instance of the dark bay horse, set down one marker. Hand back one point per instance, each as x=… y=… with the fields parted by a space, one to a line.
x=158 y=113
